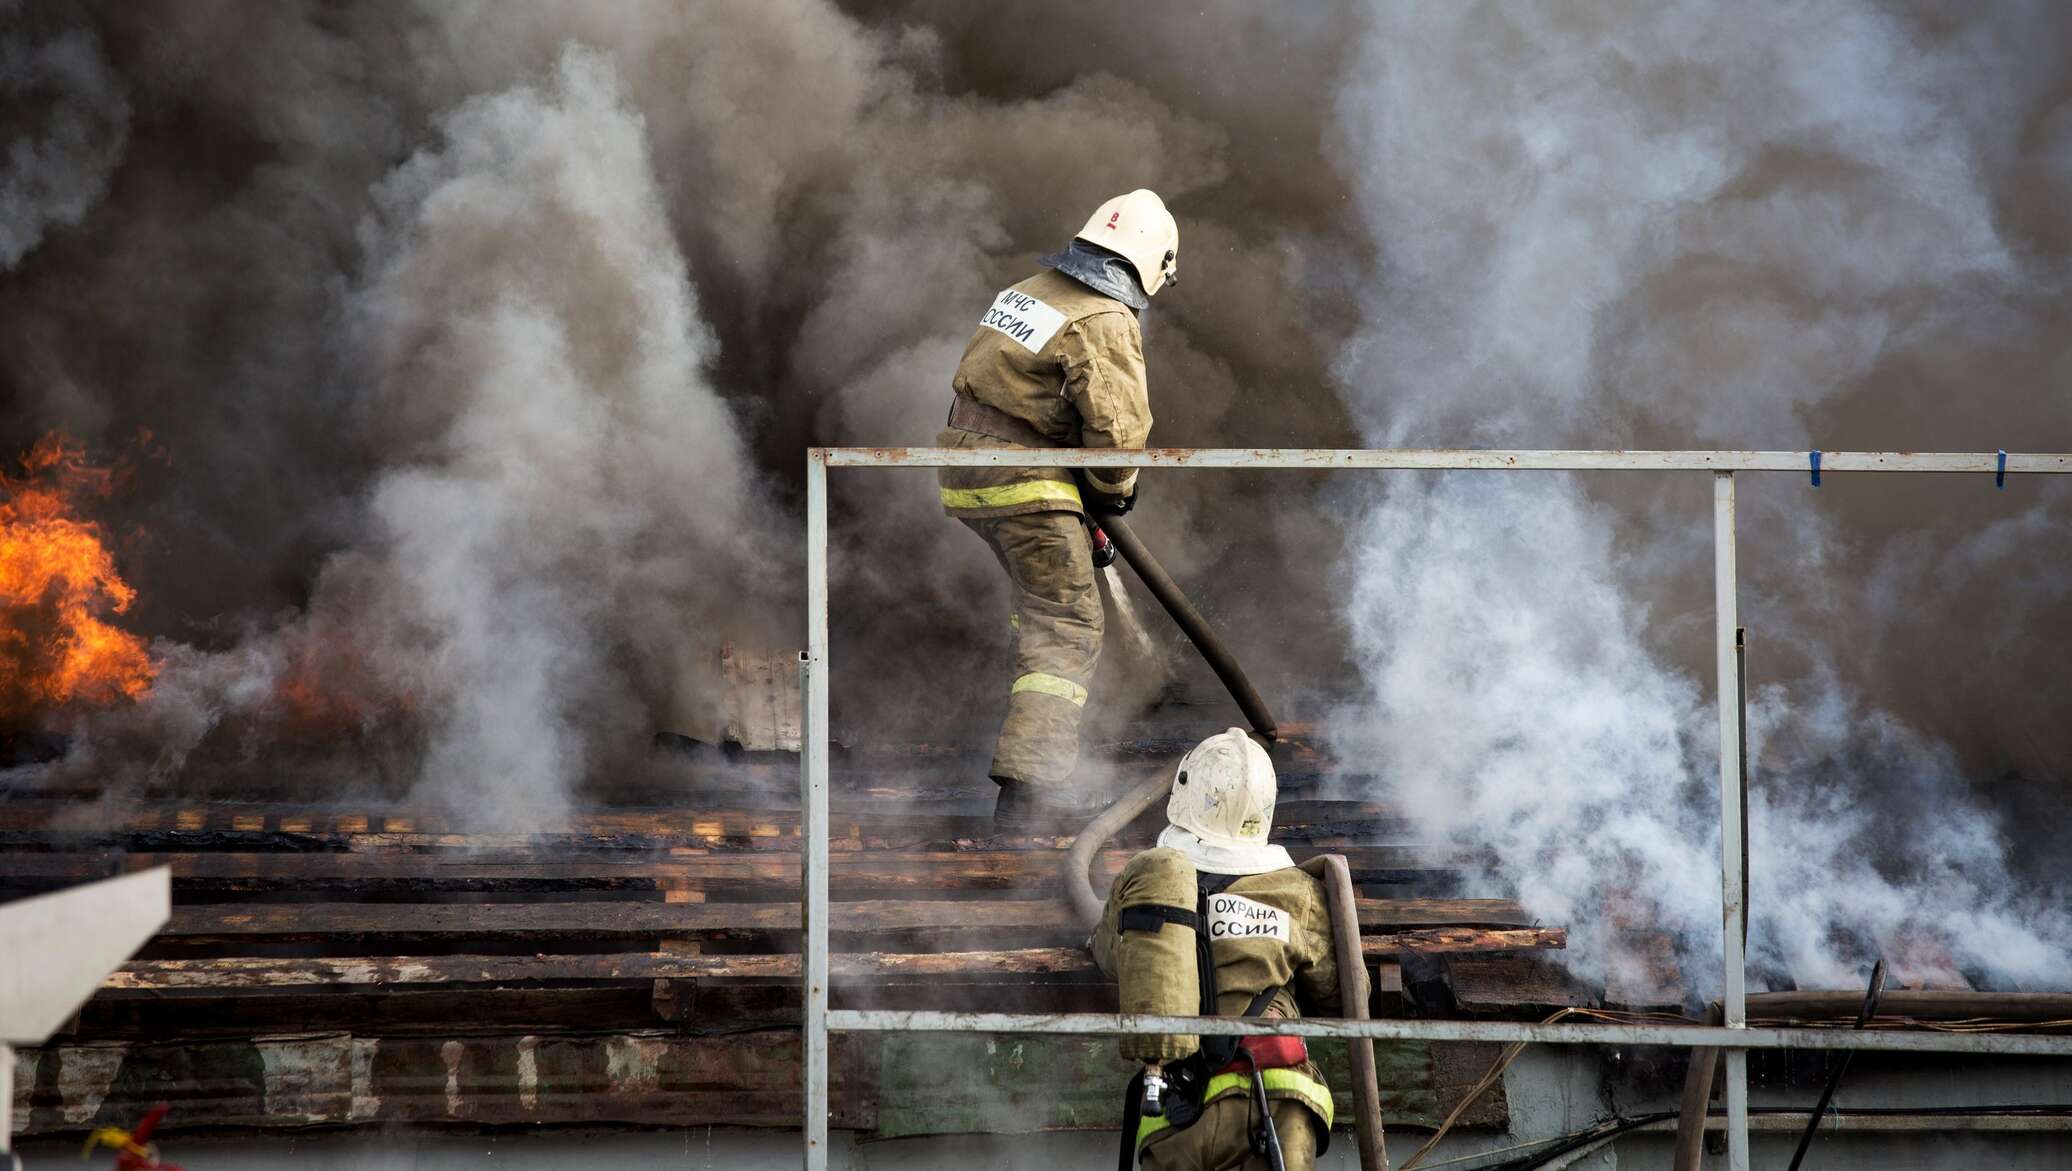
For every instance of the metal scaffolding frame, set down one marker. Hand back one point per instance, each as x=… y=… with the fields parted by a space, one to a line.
x=1733 y=1036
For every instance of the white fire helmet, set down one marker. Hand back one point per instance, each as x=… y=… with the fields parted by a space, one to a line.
x=1222 y=807
x=1138 y=228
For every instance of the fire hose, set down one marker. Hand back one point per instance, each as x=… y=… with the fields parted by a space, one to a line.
x=1329 y=869
x=1193 y=625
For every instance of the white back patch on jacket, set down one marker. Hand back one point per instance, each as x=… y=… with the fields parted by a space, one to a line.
x=1237 y=917
x=1023 y=318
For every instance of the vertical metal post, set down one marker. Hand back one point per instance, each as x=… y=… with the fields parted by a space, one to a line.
x=6 y=1098
x=1741 y=718
x=1734 y=992
x=813 y=819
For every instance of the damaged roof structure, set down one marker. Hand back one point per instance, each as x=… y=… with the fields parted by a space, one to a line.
x=409 y=410
x=639 y=966
x=342 y=969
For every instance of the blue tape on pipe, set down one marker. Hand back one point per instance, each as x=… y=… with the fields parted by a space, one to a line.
x=1814 y=456
x=2000 y=473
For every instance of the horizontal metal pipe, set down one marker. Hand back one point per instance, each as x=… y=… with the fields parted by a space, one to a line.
x=1443 y=458
x=1687 y=1036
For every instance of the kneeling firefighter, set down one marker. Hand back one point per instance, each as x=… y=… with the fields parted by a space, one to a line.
x=1217 y=920
x=1057 y=361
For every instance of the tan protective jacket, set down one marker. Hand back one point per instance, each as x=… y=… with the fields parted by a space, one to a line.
x=1067 y=361
x=1269 y=930
x=1265 y=930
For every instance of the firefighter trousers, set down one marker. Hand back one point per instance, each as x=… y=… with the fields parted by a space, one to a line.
x=1221 y=1139
x=1057 y=641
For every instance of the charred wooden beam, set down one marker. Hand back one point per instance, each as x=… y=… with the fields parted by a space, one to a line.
x=732 y=811
x=645 y=1078
x=617 y=920
x=256 y=872
x=1911 y=1004
x=238 y=972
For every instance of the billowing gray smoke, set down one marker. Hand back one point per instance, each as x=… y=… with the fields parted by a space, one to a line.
x=1612 y=225
x=68 y=134
x=488 y=337
x=562 y=468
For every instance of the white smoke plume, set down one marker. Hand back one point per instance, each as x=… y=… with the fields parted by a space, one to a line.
x=564 y=472
x=1610 y=225
x=555 y=528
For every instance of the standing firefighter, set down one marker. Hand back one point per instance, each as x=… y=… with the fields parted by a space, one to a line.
x=1058 y=361
x=1216 y=920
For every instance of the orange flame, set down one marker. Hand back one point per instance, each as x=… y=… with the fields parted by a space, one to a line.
x=57 y=579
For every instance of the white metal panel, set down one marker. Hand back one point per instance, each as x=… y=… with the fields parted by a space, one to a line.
x=55 y=949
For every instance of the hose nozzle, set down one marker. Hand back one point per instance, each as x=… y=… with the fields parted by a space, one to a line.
x=1153 y=1102
x=1104 y=549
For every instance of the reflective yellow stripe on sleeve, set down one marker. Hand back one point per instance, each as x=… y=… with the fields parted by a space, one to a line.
x=1050 y=684
x=1290 y=1082
x=1008 y=495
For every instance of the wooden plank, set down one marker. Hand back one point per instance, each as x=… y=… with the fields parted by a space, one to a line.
x=421 y=1010
x=591 y=920
x=1463 y=940
x=1904 y=1003
x=1386 y=862
x=674 y=868
x=241 y=972
x=245 y=972
x=644 y=1078
x=1496 y=984
x=612 y=920
x=762 y=697
x=775 y=814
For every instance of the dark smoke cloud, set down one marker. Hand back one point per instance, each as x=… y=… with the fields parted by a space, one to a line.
x=488 y=338
x=497 y=486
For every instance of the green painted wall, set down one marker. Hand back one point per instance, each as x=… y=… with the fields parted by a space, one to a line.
x=944 y=1084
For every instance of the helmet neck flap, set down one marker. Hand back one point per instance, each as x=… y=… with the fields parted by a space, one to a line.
x=1214 y=859
x=1105 y=272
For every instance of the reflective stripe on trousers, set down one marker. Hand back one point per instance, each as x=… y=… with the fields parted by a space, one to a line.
x=1289 y=1082
x=1048 y=684
x=1049 y=564
x=1008 y=495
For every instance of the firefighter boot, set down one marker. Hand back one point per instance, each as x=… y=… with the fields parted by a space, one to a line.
x=1037 y=808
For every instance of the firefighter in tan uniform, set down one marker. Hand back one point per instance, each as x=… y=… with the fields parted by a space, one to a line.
x=1057 y=361
x=1215 y=890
